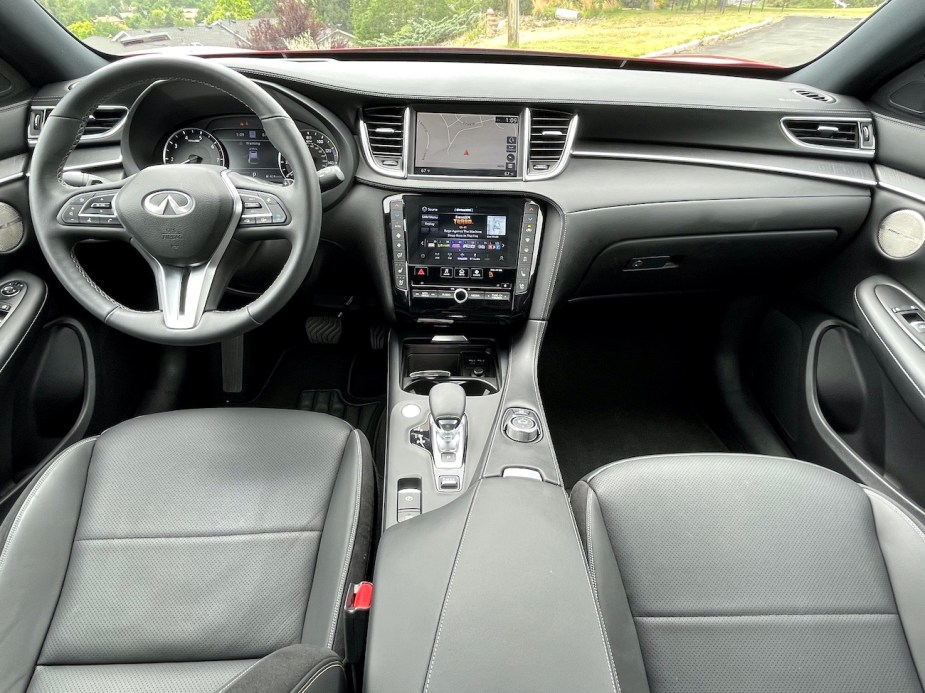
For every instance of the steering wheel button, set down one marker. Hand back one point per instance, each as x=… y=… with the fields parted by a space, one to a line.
x=263 y=219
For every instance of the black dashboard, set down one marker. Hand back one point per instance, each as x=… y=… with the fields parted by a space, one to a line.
x=468 y=192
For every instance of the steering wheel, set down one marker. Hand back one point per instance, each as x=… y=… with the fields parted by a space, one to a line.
x=181 y=218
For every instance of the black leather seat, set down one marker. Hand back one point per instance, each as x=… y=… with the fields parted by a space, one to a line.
x=175 y=551
x=743 y=573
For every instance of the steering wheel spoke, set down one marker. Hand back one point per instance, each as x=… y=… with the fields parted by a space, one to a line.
x=182 y=292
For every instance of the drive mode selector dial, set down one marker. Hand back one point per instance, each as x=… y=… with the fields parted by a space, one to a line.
x=460 y=295
x=521 y=425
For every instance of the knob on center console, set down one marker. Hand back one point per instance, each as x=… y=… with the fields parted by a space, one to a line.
x=460 y=295
x=521 y=426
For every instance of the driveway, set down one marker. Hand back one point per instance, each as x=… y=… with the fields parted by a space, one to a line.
x=790 y=41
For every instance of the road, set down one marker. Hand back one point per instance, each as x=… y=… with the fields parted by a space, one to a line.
x=790 y=41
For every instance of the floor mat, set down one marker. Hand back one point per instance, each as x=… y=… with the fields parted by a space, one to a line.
x=627 y=384
x=364 y=416
x=330 y=380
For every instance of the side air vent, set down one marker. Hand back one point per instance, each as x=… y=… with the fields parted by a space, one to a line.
x=815 y=95
x=551 y=134
x=385 y=133
x=103 y=121
x=830 y=133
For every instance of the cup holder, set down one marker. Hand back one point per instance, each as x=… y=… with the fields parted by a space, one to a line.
x=472 y=386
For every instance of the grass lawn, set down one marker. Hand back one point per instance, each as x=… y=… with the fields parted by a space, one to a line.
x=632 y=33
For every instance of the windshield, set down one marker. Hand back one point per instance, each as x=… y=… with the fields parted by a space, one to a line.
x=772 y=32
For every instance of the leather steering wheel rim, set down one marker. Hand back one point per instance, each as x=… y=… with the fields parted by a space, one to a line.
x=49 y=196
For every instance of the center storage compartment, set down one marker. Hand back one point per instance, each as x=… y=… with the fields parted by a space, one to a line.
x=473 y=365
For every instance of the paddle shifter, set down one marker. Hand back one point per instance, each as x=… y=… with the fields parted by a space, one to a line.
x=444 y=435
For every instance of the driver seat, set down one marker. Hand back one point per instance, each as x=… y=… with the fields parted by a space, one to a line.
x=203 y=550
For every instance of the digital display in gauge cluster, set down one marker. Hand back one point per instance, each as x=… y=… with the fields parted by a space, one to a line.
x=242 y=146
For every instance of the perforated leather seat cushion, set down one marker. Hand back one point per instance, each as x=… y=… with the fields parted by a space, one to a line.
x=201 y=542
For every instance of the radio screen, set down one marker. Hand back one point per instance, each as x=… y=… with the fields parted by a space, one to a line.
x=450 y=235
x=459 y=144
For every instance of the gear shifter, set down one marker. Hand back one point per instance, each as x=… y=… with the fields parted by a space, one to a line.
x=448 y=425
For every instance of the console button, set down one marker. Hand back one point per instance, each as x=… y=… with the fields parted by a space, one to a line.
x=419 y=272
x=448 y=483
x=460 y=295
x=477 y=273
x=461 y=273
x=409 y=499
x=446 y=272
x=522 y=286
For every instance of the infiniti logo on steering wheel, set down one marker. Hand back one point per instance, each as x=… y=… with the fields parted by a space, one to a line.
x=169 y=203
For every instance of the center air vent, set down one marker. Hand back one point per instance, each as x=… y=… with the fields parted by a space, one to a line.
x=814 y=95
x=830 y=133
x=384 y=131
x=550 y=135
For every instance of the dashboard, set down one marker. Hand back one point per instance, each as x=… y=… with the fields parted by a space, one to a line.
x=467 y=191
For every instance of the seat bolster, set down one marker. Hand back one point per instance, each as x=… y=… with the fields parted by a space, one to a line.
x=343 y=556
x=293 y=669
x=607 y=584
x=33 y=561
x=902 y=541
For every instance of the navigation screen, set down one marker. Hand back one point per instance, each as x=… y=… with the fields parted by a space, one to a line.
x=464 y=234
x=458 y=144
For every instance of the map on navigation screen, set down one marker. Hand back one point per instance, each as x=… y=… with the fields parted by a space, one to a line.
x=466 y=144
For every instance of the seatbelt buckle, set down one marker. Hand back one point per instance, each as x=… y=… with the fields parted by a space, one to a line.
x=357 y=604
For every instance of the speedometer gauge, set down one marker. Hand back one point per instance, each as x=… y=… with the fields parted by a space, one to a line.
x=320 y=146
x=193 y=146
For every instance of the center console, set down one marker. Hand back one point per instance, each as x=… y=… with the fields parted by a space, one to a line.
x=470 y=258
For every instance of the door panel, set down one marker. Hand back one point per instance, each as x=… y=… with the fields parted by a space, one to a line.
x=841 y=363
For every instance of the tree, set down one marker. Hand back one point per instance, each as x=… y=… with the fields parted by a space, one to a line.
x=81 y=29
x=294 y=19
x=231 y=9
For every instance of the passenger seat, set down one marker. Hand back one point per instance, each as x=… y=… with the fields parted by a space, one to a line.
x=730 y=572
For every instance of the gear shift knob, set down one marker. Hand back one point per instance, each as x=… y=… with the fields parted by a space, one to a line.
x=447 y=405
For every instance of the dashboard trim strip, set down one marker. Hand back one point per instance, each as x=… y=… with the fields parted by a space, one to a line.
x=724 y=163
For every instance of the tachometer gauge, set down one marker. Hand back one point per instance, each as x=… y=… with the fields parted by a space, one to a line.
x=193 y=146
x=320 y=146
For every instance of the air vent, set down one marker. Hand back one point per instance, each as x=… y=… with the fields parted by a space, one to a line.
x=550 y=135
x=815 y=95
x=837 y=134
x=104 y=119
x=384 y=131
